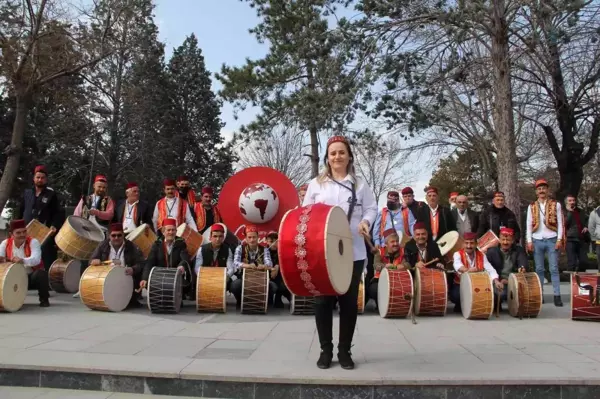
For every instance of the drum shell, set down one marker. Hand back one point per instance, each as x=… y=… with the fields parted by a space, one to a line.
x=76 y=245
x=38 y=230
x=532 y=298
x=361 y=300
x=106 y=288
x=64 y=275
x=488 y=240
x=476 y=295
x=431 y=297
x=164 y=290
x=14 y=284
x=453 y=242
x=581 y=308
x=302 y=305
x=193 y=239
x=143 y=237
x=395 y=293
x=211 y=289
x=255 y=290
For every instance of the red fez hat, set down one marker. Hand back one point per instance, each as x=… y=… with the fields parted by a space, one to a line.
x=470 y=236
x=217 y=227
x=303 y=187
x=507 y=231
x=182 y=178
x=407 y=190
x=40 y=169
x=540 y=182
x=337 y=139
x=17 y=224
x=389 y=232
x=169 y=182
x=498 y=194
x=431 y=189
x=419 y=226
x=101 y=178
x=251 y=229
x=393 y=193
x=131 y=185
x=207 y=190
x=453 y=194
x=115 y=227
x=169 y=222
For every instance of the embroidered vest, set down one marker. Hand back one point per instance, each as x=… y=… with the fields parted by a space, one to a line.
x=200 y=212
x=464 y=258
x=163 y=211
x=260 y=255
x=9 y=251
x=550 y=219
x=386 y=260
x=101 y=205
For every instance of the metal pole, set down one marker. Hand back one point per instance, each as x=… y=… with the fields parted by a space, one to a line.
x=89 y=190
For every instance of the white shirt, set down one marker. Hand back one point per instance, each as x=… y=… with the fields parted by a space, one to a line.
x=199 y=261
x=118 y=254
x=129 y=222
x=32 y=261
x=486 y=264
x=543 y=232
x=172 y=206
x=463 y=215
x=330 y=193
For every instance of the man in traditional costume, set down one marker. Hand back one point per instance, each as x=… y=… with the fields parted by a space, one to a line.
x=507 y=258
x=421 y=250
x=469 y=260
x=132 y=211
x=452 y=200
x=577 y=235
x=42 y=203
x=20 y=248
x=496 y=216
x=185 y=191
x=275 y=274
x=206 y=213
x=392 y=217
x=122 y=253
x=390 y=256
x=98 y=207
x=467 y=220
x=409 y=205
x=545 y=235
x=437 y=218
x=172 y=207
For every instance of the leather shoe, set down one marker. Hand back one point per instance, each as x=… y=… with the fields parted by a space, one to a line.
x=324 y=361
x=345 y=359
x=558 y=301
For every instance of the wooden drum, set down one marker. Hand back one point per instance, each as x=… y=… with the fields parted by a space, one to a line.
x=255 y=291
x=106 y=288
x=361 y=295
x=449 y=243
x=585 y=304
x=524 y=295
x=14 y=284
x=64 y=275
x=302 y=305
x=164 y=290
x=488 y=240
x=143 y=237
x=395 y=293
x=476 y=295
x=315 y=250
x=193 y=239
x=78 y=238
x=39 y=231
x=431 y=296
x=211 y=290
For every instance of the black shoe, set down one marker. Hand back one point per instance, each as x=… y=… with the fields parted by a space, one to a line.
x=325 y=359
x=345 y=359
x=558 y=301
x=133 y=304
x=457 y=309
x=44 y=304
x=278 y=304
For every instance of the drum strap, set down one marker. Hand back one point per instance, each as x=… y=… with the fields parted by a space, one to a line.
x=352 y=189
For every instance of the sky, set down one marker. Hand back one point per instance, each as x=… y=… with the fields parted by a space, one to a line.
x=221 y=27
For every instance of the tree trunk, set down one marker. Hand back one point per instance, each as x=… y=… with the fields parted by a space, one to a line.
x=314 y=133
x=11 y=168
x=503 y=110
x=570 y=182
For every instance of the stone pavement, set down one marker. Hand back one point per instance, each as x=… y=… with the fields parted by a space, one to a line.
x=234 y=355
x=46 y=393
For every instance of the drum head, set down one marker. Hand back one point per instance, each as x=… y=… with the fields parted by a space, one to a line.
x=466 y=295
x=383 y=293
x=86 y=229
x=14 y=287
x=447 y=242
x=513 y=294
x=136 y=232
x=339 y=253
x=118 y=289
x=72 y=276
x=181 y=229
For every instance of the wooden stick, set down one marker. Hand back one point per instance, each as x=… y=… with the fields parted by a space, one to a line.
x=432 y=261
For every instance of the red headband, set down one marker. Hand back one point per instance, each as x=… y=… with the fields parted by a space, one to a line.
x=40 y=169
x=337 y=139
x=251 y=229
x=419 y=226
x=217 y=227
x=303 y=187
x=393 y=193
x=453 y=194
x=182 y=178
x=540 y=182
x=388 y=233
x=507 y=231
x=498 y=194
x=431 y=189
x=17 y=224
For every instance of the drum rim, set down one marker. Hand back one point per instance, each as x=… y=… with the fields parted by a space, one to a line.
x=385 y=272
x=489 y=282
x=140 y=229
x=512 y=278
x=73 y=217
x=279 y=232
x=351 y=250
x=449 y=234
x=67 y=263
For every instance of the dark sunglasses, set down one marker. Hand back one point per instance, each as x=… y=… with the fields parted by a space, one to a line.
x=116 y=235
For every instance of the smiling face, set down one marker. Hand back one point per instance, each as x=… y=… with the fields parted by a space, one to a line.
x=169 y=232
x=133 y=194
x=116 y=239
x=338 y=157
x=392 y=244
x=506 y=241
x=470 y=246
x=542 y=191
x=100 y=188
x=420 y=236
x=170 y=191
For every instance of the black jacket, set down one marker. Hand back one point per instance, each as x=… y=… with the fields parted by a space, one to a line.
x=143 y=214
x=207 y=255
x=446 y=220
x=517 y=255
x=493 y=218
x=179 y=257
x=45 y=208
x=411 y=253
x=132 y=254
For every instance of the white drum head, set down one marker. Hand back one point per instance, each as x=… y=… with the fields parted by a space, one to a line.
x=447 y=242
x=72 y=276
x=466 y=295
x=338 y=250
x=14 y=288
x=181 y=229
x=118 y=289
x=86 y=229
x=383 y=293
x=136 y=232
x=206 y=235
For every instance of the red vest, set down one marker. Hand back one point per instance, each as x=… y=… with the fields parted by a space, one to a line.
x=386 y=260
x=162 y=211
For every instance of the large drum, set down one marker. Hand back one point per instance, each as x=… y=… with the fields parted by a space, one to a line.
x=106 y=288
x=488 y=240
x=193 y=239
x=449 y=243
x=13 y=286
x=164 y=290
x=302 y=305
x=255 y=291
x=315 y=250
x=78 y=238
x=143 y=237
x=211 y=290
x=403 y=238
x=431 y=294
x=584 y=296
x=395 y=293
x=39 y=231
x=64 y=275
x=230 y=238
x=524 y=295
x=361 y=301
x=476 y=295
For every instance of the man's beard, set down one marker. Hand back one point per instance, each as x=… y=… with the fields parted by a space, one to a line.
x=184 y=191
x=392 y=205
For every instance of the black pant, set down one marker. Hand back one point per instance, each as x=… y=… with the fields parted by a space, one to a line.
x=373 y=289
x=39 y=280
x=575 y=255
x=49 y=252
x=348 y=313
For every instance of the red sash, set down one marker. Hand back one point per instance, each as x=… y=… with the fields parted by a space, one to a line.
x=465 y=261
x=27 y=250
x=386 y=260
x=162 y=211
x=133 y=213
x=405 y=220
x=201 y=215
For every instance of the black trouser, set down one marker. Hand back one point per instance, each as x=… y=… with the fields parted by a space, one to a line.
x=281 y=290
x=373 y=289
x=49 y=252
x=39 y=280
x=576 y=256
x=348 y=313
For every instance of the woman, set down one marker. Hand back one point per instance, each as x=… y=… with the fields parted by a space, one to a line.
x=339 y=186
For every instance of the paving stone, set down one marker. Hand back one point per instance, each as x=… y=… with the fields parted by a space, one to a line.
x=224 y=353
x=234 y=344
x=176 y=347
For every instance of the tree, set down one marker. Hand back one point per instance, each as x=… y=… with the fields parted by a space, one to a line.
x=310 y=74
x=280 y=149
x=380 y=161
x=39 y=48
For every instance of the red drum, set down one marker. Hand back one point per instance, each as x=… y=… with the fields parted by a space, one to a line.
x=431 y=298
x=395 y=293
x=584 y=296
x=488 y=240
x=315 y=250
